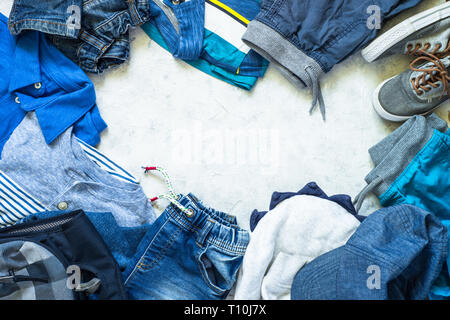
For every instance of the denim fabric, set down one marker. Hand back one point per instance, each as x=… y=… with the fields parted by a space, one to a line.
x=205 y=251
x=96 y=39
x=62 y=176
x=228 y=60
x=311 y=189
x=305 y=39
x=73 y=239
x=426 y=184
x=441 y=287
x=411 y=167
x=186 y=41
x=396 y=253
x=219 y=51
x=327 y=31
x=183 y=257
x=35 y=76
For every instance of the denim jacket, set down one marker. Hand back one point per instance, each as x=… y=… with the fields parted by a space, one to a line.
x=93 y=34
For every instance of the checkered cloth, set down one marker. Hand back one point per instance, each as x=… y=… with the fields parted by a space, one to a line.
x=29 y=271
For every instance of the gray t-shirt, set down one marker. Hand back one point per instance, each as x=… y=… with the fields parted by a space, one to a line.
x=65 y=175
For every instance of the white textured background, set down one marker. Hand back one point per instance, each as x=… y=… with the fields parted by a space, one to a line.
x=161 y=111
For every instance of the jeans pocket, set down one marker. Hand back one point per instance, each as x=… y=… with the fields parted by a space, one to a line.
x=219 y=269
x=161 y=241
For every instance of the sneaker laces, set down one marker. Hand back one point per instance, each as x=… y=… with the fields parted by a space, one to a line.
x=430 y=76
x=419 y=50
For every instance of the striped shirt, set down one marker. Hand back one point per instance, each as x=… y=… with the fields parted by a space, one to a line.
x=16 y=203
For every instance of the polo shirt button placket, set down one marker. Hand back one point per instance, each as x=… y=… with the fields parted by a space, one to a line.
x=62 y=205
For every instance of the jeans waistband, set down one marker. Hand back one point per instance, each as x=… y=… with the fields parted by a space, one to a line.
x=209 y=225
x=109 y=45
x=96 y=56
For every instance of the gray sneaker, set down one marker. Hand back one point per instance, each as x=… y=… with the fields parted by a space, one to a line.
x=427 y=31
x=417 y=91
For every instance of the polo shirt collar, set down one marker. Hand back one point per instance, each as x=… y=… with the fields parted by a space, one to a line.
x=37 y=61
x=26 y=70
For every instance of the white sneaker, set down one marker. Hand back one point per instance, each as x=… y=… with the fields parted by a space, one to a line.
x=427 y=31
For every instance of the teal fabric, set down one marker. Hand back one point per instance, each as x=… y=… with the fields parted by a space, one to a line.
x=220 y=50
x=426 y=183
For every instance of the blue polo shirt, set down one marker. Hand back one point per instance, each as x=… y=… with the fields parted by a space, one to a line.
x=35 y=76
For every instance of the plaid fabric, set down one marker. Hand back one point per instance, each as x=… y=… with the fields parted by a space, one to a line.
x=28 y=271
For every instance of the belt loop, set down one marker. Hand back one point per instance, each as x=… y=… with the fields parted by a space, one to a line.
x=94 y=41
x=134 y=13
x=204 y=232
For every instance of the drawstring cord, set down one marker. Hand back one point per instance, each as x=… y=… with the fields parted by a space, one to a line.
x=21 y=278
x=317 y=93
x=359 y=199
x=172 y=196
x=166 y=180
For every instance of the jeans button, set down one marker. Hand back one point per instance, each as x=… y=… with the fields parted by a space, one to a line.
x=176 y=1
x=190 y=213
x=62 y=205
x=17 y=100
x=38 y=85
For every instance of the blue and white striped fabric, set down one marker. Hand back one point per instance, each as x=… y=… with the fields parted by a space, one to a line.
x=106 y=164
x=16 y=203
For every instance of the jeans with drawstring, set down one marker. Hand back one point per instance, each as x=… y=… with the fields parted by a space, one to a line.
x=192 y=256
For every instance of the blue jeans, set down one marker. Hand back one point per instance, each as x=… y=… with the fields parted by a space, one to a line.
x=176 y=257
x=93 y=34
x=186 y=41
x=181 y=257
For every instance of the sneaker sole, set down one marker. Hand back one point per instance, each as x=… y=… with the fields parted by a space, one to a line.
x=403 y=30
x=389 y=116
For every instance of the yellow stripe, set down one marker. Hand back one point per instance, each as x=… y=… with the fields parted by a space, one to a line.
x=231 y=11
